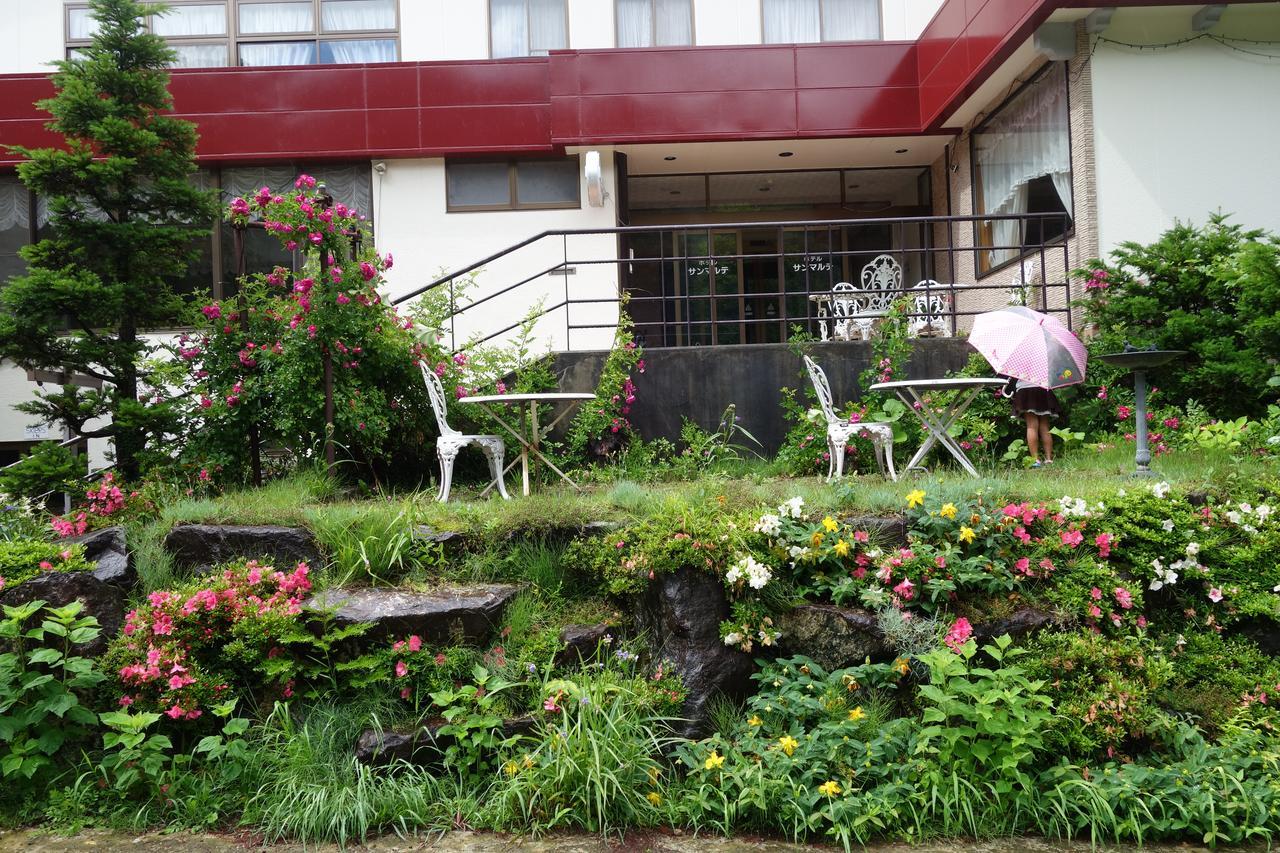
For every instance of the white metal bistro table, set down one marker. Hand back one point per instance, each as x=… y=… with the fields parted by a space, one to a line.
x=529 y=445
x=909 y=391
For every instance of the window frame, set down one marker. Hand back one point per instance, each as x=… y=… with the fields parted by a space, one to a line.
x=982 y=234
x=488 y=10
x=513 y=196
x=653 y=27
x=822 y=26
x=232 y=38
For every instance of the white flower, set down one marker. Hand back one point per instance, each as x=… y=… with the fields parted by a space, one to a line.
x=1263 y=512
x=1163 y=576
x=1182 y=641
x=1233 y=517
x=1193 y=548
x=1248 y=528
x=766 y=639
x=1167 y=525
x=796 y=552
x=1160 y=489
x=769 y=525
x=1276 y=588
x=1215 y=595
x=793 y=508
x=734 y=574
x=732 y=638
x=1121 y=493
x=1069 y=506
x=1246 y=508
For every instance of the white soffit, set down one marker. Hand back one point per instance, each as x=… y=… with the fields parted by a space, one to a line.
x=760 y=156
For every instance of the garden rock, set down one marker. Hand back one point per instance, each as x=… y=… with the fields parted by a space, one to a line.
x=102 y=600
x=834 y=637
x=682 y=612
x=1021 y=622
x=887 y=531
x=446 y=615
x=202 y=546
x=107 y=548
x=424 y=747
x=1262 y=632
x=581 y=642
x=451 y=541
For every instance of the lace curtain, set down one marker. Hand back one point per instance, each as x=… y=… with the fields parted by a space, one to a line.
x=14 y=209
x=350 y=184
x=210 y=20
x=527 y=27
x=649 y=23
x=1028 y=139
x=357 y=15
x=801 y=21
x=266 y=18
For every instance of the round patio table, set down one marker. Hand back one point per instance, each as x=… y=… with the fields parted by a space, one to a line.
x=529 y=444
x=909 y=391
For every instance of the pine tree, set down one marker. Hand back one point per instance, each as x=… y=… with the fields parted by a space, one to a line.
x=125 y=216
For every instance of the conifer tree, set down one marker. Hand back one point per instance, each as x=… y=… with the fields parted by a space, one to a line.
x=124 y=216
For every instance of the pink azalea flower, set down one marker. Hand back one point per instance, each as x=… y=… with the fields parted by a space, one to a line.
x=1071 y=538
x=415 y=643
x=959 y=634
x=402 y=669
x=1123 y=598
x=1215 y=595
x=1095 y=594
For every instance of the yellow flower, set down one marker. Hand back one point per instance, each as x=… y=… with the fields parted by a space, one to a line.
x=948 y=510
x=841 y=548
x=511 y=768
x=856 y=714
x=966 y=534
x=788 y=744
x=755 y=720
x=830 y=524
x=816 y=539
x=714 y=761
x=829 y=789
x=915 y=499
x=528 y=762
x=901 y=666
x=654 y=797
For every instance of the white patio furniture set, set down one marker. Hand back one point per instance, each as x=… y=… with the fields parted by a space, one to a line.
x=849 y=310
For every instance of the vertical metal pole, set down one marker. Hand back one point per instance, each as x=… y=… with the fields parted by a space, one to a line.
x=564 y=268
x=951 y=267
x=1141 y=458
x=255 y=450
x=453 y=323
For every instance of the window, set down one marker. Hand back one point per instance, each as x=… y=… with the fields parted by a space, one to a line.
x=1022 y=165
x=527 y=27
x=654 y=23
x=265 y=32
x=15 y=226
x=800 y=21
x=512 y=184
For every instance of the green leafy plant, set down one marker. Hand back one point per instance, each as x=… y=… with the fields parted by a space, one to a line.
x=48 y=467
x=24 y=559
x=473 y=723
x=44 y=685
x=134 y=758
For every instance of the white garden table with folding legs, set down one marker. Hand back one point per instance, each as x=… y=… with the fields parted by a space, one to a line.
x=529 y=444
x=910 y=391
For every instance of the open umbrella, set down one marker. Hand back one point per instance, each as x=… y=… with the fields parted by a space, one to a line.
x=1029 y=345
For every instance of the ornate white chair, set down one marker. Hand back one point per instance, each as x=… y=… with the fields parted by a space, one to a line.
x=1024 y=280
x=839 y=430
x=930 y=310
x=451 y=442
x=844 y=304
x=881 y=283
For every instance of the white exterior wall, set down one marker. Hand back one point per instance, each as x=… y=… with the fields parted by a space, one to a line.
x=31 y=37
x=1180 y=133
x=428 y=242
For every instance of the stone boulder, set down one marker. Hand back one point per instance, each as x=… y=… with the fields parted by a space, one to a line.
x=106 y=547
x=102 y=600
x=424 y=746
x=834 y=637
x=580 y=643
x=887 y=531
x=464 y=614
x=452 y=542
x=202 y=546
x=1021 y=622
x=681 y=612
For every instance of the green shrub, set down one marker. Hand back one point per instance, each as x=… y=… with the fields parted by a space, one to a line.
x=23 y=559
x=48 y=467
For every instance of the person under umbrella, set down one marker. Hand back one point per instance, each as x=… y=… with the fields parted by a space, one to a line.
x=1039 y=354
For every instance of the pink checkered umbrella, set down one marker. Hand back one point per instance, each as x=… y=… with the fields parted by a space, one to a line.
x=1029 y=345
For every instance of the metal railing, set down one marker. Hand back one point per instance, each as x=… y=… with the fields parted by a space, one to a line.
x=751 y=282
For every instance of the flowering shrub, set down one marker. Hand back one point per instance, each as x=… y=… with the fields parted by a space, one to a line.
x=24 y=559
x=189 y=648
x=108 y=504
x=602 y=427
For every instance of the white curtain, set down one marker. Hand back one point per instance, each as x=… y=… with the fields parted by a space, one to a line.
x=850 y=20
x=787 y=21
x=1028 y=139
x=635 y=23
x=674 y=24
x=278 y=53
x=81 y=24
x=209 y=20
x=508 y=28
x=276 y=18
x=14 y=212
x=352 y=51
x=355 y=15
x=547 y=26
x=200 y=55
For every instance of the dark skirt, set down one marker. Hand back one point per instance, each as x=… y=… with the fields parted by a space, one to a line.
x=1036 y=401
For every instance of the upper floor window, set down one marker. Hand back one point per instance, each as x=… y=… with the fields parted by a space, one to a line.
x=1022 y=165
x=654 y=23
x=799 y=21
x=527 y=27
x=212 y=33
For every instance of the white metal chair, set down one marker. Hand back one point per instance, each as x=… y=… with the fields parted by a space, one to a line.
x=451 y=442
x=844 y=305
x=881 y=283
x=839 y=430
x=931 y=310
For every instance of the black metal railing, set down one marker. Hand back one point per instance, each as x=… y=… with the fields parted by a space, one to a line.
x=750 y=282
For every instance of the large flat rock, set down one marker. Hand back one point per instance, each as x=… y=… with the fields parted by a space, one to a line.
x=107 y=548
x=463 y=614
x=202 y=546
x=834 y=637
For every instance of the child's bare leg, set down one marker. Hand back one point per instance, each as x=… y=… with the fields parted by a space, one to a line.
x=1033 y=435
x=1046 y=437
